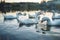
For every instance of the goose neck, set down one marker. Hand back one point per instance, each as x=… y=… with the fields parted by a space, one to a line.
x=48 y=20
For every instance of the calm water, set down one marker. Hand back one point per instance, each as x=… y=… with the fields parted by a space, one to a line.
x=10 y=30
x=10 y=25
x=15 y=23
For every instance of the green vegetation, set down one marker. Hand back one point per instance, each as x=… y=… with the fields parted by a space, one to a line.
x=20 y=6
x=25 y=6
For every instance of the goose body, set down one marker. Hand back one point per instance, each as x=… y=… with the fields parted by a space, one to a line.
x=27 y=20
x=10 y=17
x=35 y=15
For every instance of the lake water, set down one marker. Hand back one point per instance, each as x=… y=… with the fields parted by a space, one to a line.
x=11 y=27
x=15 y=23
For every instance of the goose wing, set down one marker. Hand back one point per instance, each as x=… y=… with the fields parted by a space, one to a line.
x=9 y=16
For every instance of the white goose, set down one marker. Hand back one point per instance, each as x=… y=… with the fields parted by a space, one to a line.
x=34 y=15
x=11 y=17
x=27 y=21
x=54 y=23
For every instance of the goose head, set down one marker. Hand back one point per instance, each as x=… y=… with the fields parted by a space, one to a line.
x=24 y=14
x=39 y=13
x=45 y=19
x=18 y=14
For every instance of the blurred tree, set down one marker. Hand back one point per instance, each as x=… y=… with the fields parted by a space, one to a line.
x=2 y=7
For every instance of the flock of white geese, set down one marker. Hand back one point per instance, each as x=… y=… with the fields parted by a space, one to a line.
x=27 y=19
